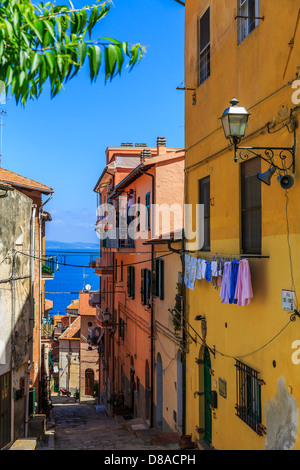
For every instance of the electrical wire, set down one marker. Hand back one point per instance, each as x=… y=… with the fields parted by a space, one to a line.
x=289 y=248
x=88 y=267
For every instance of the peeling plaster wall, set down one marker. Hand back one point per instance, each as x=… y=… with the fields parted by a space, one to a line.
x=281 y=415
x=15 y=300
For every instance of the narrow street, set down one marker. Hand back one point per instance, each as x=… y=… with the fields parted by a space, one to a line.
x=83 y=426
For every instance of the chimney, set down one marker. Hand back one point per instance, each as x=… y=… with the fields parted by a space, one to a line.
x=161 y=145
x=146 y=153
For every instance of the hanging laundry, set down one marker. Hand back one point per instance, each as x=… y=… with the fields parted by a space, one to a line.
x=233 y=280
x=203 y=264
x=214 y=268
x=208 y=271
x=244 y=292
x=214 y=274
x=199 y=269
x=192 y=274
x=187 y=262
x=225 y=287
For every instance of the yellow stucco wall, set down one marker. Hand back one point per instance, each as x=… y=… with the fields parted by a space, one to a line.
x=253 y=72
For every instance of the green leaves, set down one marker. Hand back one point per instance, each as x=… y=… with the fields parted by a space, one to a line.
x=47 y=42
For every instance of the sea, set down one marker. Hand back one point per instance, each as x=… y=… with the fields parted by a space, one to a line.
x=71 y=273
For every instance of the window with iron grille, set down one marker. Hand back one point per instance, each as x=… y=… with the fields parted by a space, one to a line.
x=248 y=396
x=204 y=47
x=248 y=11
x=251 y=207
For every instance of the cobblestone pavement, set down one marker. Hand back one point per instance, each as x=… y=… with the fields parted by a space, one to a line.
x=82 y=426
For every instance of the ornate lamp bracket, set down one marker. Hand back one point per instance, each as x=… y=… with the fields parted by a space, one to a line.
x=280 y=158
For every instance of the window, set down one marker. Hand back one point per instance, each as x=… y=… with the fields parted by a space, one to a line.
x=248 y=17
x=204 y=198
x=251 y=206
x=121 y=271
x=131 y=281
x=158 y=278
x=121 y=328
x=148 y=205
x=248 y=405
x=204 y=47
x=145 y=286
x=5 y=408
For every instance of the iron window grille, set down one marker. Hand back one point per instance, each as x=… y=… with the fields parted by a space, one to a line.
x=247 y=18
x=204 y=47
x=248 y=395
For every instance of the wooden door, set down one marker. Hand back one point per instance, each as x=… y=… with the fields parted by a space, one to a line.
x=207 y=398
x=89 y=382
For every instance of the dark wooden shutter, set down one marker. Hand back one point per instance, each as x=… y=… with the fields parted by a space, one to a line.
x=132 y=282
x=143 y=286
x=161 y=278
x=128 y=281
x=154 y=278
x=147 y=286
x=251 y=206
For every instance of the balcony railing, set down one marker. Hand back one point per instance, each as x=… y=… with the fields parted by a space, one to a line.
x=118 y=242
x=94 y=299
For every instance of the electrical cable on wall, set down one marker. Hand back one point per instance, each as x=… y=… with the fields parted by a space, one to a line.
x=81 y=266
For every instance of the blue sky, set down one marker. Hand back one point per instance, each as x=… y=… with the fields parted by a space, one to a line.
x=62 y=142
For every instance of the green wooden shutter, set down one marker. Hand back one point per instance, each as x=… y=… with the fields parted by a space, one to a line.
x=143 y=286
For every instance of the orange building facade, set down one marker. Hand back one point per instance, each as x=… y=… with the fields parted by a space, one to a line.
x=132 y=284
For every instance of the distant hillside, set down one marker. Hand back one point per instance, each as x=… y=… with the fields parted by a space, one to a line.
x=57 y=245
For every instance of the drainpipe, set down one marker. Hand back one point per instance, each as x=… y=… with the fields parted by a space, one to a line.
x=31 y=321
x=183 y=341
x=152 y=311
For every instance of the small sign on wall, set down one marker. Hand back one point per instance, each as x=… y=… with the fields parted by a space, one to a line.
x=222 y=388
x=288 y=300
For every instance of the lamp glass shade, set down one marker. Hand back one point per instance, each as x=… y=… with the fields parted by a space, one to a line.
x=234 y=121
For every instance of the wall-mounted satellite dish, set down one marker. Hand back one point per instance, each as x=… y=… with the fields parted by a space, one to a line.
x=87 y=287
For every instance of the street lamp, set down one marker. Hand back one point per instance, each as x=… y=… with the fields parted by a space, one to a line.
x=234 y=122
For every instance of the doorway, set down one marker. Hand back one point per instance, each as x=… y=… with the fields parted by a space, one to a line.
x=89 y=382
x=207 y=397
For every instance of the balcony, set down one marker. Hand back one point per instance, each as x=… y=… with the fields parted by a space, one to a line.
x=104 y=265
x=94 y=299
x=47 y=272
x=121 y=241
